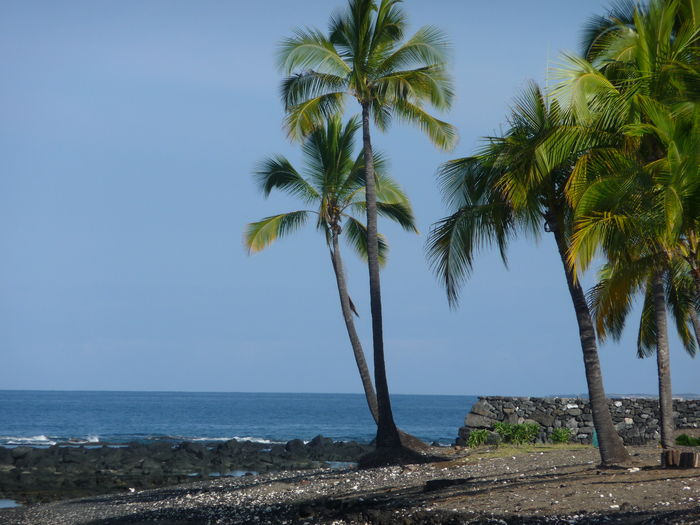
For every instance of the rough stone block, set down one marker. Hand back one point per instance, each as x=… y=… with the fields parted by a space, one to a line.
x=484 y=408
x=477 y=421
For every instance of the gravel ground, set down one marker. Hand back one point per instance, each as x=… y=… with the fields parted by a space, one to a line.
x=561 y=485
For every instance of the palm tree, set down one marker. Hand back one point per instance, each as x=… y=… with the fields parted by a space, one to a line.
x=364 y=57
x=630 y=197
x=511 y=187
x=611 y=300
x=333 y=183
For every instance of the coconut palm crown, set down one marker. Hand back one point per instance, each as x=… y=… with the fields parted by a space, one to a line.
x=365 y=57
x=332 y=180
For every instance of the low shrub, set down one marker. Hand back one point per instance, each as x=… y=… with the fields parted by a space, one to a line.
x=561 y=435
x=477 y=438
x=687 y=441
x=520 y=434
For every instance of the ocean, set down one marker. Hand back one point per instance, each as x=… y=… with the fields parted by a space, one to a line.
x=45 y=418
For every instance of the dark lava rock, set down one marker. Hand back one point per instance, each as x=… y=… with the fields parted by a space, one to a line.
x=296 y=447
x=320 y=441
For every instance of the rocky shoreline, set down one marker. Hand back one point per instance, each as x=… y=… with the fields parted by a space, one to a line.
x=534 y=485
x=31 y=475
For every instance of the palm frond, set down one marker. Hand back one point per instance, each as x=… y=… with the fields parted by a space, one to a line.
x=306 y=116
x=278 y=173
x=259 y=235
x=427 y=47
x=356 y=235
x=309 y=49
x=647 y=337
x=298 y=88
x=429 y=83
x=454 y=241
x=442 y=134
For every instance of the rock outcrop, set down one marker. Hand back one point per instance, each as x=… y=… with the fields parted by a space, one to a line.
x=41 y=474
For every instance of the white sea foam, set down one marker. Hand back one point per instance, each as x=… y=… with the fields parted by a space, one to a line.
x=250 y=439
x=92 y=438
x=257 y=440
x=24 y=440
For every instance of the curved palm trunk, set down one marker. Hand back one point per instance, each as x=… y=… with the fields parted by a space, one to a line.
x=611 y=448
x=387 y=433
x=362 y=368
x=663 y=362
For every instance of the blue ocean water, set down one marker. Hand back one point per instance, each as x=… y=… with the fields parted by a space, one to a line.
x=42 y=418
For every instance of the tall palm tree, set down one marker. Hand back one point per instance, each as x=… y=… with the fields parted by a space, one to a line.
x=332 y=182
x=630 y=197
x=511 y=187
x=364 y=57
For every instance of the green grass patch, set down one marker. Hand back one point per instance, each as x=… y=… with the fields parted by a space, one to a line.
x=687 y=441
x=477 y=438
x=521 y=434
x=561 y=435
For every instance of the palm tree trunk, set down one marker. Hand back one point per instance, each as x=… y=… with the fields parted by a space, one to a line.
x=387 y=433
x=612 y=450
x=362 y=368
x=663 y=361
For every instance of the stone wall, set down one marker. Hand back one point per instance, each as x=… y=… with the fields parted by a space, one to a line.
x=636 y=419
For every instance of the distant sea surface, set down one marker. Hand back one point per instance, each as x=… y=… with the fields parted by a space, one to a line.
x=44 y=418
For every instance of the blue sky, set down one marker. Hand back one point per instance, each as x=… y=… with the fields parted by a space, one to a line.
x=129 y=133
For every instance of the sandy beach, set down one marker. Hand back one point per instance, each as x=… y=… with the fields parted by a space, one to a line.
x=534 y=484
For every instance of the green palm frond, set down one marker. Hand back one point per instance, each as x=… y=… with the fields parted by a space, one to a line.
x=612 y=298
x=602 y=230
x=356 y=236
x=392 y=201
x=328 y=155
x=309 y=49
x=581 y=83
x=454 y=241
x=431 y=83
x=278 y=173
x=355 y=182
x=388 y=29
x=599 y=29
x=428 y=46
x=442 y=134
x=259 y=235
x=296 y=89
x=399 y=212
x=306 y=116
x=681 y=297
x=648 y=335
x=591 y=167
